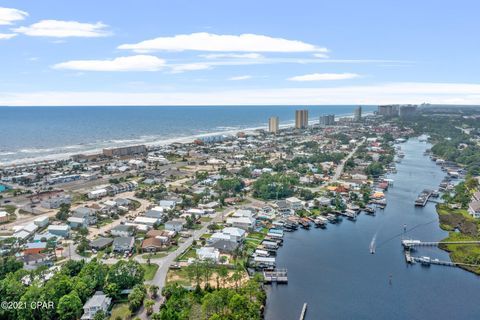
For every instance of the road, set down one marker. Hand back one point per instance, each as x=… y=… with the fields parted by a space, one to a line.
x=165 y=262
x=339 y=170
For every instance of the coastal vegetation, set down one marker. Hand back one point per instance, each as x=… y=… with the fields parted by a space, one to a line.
x=68 y=289
x=245 y=302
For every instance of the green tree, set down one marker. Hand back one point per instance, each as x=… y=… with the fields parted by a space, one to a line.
x=69 y=307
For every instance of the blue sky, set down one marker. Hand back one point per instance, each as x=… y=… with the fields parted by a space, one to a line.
x=238 y=52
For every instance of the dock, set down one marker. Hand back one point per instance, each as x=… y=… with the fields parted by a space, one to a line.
x=423 y=198
x=278 y=276
x=304 y=311
x=409 y=244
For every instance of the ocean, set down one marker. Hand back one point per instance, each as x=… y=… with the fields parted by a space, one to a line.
x=38 y=133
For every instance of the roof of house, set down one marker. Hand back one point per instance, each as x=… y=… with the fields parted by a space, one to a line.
x=152 y=242
x=224 y=245
x=101 y=242
x=123 y=242
x=475 y=205
x=97 y=300
x=122 y=228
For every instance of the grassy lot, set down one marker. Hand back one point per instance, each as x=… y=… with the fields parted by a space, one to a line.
x=206 y=219
x=150 y=270
x=190 y=253
x=10 y=209
x=206 y=236
x=120 y=311
x=468 y=230
x=157 y=255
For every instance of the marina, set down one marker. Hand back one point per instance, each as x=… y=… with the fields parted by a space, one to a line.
x=336 y=267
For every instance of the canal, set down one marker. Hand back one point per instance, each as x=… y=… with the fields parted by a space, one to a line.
x=333 y=271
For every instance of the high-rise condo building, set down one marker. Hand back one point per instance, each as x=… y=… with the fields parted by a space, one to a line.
x=357 y=115
x=388 y=110
x=273 y=124
x=327 y=120
x=301 y=119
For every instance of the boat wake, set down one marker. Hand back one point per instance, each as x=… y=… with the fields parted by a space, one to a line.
x=372 y=244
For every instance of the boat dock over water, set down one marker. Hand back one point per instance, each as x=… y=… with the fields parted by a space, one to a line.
x=423 y=197
x=278 y=276
x=409 y=244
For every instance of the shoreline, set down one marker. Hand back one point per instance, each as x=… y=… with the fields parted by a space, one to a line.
x=128 y=142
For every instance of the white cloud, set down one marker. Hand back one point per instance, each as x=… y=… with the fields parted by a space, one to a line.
x=238 y=78
x=10 y=15
x=5 y=36
x=132 y=63
x=204 y=41
x=403 y=92
x=64 y=29
x=232 y=55
x=320 y=55
x=324 y=77
x=189 y=67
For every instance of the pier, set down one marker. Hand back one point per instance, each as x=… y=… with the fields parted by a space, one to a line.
x=427 y=261
x=409 y=244
x=278 y=276
x=423 y=197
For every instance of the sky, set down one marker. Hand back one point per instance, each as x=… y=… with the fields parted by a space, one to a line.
x=217 y=52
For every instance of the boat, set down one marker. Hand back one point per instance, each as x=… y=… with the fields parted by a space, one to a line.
x=320 y=222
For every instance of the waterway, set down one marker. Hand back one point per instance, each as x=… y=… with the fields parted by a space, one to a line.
x=333 y=271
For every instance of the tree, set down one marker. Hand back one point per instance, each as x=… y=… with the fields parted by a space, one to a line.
x=63 y=212
x=153 y=289
x=135 y=298
x=112 y=290
x=9 y=264
x=149 y=306
x=223 y=274
x=195 y=272
x=100 y=315
x=69 y=307
x=126 y=274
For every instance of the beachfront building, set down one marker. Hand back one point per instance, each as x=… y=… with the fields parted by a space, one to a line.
x=327 y=120
x=301 y=119
x=357 y=115
x=273 y=124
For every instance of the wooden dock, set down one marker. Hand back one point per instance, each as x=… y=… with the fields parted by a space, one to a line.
x=304 y=311
x=278 y=276
x=409 y=244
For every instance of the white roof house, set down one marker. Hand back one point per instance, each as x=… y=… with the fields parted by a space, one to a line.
x=242 y=222
x=146 y=220
x=208 y=253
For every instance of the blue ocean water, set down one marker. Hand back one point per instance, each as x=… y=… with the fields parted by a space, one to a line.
x=33 y=133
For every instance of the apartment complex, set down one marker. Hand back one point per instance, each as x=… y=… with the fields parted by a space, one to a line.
x=125 y=151
x=357 y=115
x=327 y=120
x=273 y=124
x=301 y=119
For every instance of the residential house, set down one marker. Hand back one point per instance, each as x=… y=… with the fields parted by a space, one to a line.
x=41 y=221
x=60 y=230
x=98 y=302
x=122 y=231
x=89 y=214
x=245 y=223
x=100 y=243
x=153 y=245
x=34 y=247
x=174 y=225
x=294 y=203
x=56 y=202
x=225 y=246
x=76 y=222
x=474 y=208
x=3 y=216
x=123 y=244
x=208 y=253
